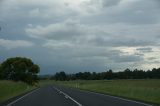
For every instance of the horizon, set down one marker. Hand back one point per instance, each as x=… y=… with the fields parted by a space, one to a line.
x=83 y=35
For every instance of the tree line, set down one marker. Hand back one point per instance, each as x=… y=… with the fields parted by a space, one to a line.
x=126 y=74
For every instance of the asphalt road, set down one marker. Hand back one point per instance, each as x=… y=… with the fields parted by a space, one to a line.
x=62 y=96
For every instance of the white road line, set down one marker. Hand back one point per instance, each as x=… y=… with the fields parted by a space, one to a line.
x=10 y=104
x=67 y=96
x=117 y=97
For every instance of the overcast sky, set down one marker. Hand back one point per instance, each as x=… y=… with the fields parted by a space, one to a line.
x=82 y=35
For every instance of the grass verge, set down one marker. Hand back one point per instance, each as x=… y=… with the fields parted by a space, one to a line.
x=9 y=89
x=143 y=90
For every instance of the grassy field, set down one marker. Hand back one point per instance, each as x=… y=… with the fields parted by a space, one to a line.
x=143 y=90
x=9 y=89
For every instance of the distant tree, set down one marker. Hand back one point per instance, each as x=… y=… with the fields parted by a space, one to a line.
x=79 y=75
x=60 y=76
x=148 y=74
x=102 y=75
x=86 y=75
x=109 y=75
x=94 y=76
x=139 y=74
x=1 y=72
x=155 y=73
x=19 y=69
x=128 y=73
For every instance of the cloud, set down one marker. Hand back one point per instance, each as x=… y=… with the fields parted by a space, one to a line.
x=82 y=52
x=12 y=44
x=54 y=44
x=35 y=13
x=148 y=49
x=127 y=58
x=117 y=42
x=128 y=12
x=65 y=30
x=94 y=35
x=151 y=58
x=108 y=3
x=82 y=34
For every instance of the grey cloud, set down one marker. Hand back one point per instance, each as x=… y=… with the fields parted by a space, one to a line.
x=108 y=3
x=148 y=49
x=157 y=62
x=138 y=54
x=151 y=58
x=60 y=31
x=157 y=1
x=102 y=53
x=113 y=55
x=129 y=12
x=12 y=44
x=81 y=35
x=103 y=3
x=119 y=57
x=118 y=42
x=127 y=58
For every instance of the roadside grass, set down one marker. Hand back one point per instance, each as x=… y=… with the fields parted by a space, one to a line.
x=9 y=89
x=147 y=90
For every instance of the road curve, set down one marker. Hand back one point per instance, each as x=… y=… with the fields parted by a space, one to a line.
x=62 y=96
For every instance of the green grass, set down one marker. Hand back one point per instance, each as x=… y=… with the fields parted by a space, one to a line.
x=9 y=89
x=143 y=90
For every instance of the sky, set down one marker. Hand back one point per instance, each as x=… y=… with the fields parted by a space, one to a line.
x=82 y=35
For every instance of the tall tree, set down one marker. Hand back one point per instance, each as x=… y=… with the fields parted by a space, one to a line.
x=19 y=69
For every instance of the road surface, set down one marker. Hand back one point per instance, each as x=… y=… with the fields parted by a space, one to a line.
x=62 y=96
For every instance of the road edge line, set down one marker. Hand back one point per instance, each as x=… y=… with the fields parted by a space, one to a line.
x=67 y=96
x=11 y=103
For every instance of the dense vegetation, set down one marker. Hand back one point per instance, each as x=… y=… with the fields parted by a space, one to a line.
x=146 y=90
x=126 y=74
x=19 y=69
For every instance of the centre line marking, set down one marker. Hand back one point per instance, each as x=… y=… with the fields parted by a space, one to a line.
x=66 y=95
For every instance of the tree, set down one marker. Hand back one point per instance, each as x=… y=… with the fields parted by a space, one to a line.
x=61 y=76
x=109 y=74
x=128 y=73
x=0 y=72
x=94 y=76
x=19 y=69
x=155 y=73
